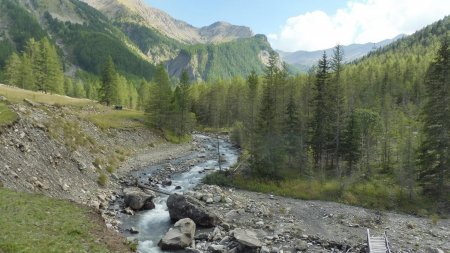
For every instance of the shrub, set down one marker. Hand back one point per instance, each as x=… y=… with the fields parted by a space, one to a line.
x=102 y=179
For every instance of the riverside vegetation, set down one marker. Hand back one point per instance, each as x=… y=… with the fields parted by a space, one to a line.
x=360 y=133
x=374 y=132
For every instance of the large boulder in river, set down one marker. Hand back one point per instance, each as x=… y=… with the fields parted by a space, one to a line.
x=181 y=206
x=137 y=199
x=180 y=236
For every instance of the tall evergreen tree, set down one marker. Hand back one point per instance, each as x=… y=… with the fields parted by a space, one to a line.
x=292 y=139
x=338 y=98
x=12 y=70
x=159 y=107
x=434 y=174
x=108 y=88
x=321 y=120
x=268 y=153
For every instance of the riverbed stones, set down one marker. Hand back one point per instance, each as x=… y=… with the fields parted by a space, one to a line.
x=181 y=206
x=137 y=200
x=247 y=237
x=180 y=236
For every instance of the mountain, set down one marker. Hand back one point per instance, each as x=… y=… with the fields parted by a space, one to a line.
x=138 y=12
x=218 y=51
x=304 y=60
x=84 y=36
x=135 y=35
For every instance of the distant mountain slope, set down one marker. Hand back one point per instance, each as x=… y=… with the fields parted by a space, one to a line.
x=304 y=60
x=218 y=51
x=136 y=11
x=84 y=36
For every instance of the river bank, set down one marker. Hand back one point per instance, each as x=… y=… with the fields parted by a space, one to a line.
x=281 y=224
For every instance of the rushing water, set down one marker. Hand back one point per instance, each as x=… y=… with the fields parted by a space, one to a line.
x=153 y=224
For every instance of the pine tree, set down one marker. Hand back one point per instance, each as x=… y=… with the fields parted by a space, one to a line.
x=182 y=98
x=78 y=90
x=108 y=88
x=26 y=72
x=351 y=144
x=321 y=118
x=12 y=70
x=337 y=67
x=268 y=152
x=49 y=76
x=434 y=174
x=292 y=139
x=68 y=87
x=252 y=96
x=159 y=106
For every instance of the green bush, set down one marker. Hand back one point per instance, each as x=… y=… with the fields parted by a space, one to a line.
x=102 y=179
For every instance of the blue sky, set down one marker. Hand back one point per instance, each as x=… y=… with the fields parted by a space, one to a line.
x=312 y=24
x=263 y=16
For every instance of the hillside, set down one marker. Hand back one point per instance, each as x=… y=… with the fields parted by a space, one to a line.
x=207 y=52
x=138 y=12
x=304 y=60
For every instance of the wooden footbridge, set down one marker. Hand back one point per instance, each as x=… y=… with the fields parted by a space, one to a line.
x=378 y=244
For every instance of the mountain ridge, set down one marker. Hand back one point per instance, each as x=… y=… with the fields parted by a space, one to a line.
x=137 y=11
x=303 y=60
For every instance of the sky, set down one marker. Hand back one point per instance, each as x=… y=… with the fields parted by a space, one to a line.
x=309 y=25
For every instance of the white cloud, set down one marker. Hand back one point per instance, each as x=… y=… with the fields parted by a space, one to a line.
x=360 y=22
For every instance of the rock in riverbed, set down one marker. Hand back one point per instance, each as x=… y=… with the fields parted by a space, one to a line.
x=181 y=207
x=137 y=200
x=180 y=236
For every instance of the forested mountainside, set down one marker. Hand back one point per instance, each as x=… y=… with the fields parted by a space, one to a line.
x=218 y=51
x=303 y=60
x=84 y=38
x=361 y=127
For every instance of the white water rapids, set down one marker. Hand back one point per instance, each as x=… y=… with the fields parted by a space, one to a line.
x=153 y=224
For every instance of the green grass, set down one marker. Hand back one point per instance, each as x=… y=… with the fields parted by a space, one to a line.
x=375 y=194
x=173 y=138
x=35 y=223
x=17 y=95
x=123 y=119
x=7 y=116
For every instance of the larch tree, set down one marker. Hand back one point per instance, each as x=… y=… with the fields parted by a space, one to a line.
x=159 y=106
x=109 y=83
x=12 y=70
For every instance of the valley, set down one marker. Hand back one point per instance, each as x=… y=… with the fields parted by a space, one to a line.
x=126 y=129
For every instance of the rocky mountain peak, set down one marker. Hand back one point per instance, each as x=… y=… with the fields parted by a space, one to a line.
x=137 y=11
x=223 y=31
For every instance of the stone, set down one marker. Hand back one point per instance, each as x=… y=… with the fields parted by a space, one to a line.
x=181 y=206
x=209 y=201
x=167 y=182
x=217 y=198
x=128 y=211
x=2 y=98
x=246 y=237
x=178 y=187
x=133 y=230
x=434 y=250
x=301 y=245
x=264 y=249
x=217 y=248
x=65 y=187
x=30 y=103
x=180 y=236
x=191 y=250
x=138 y=200
x=260 y=223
